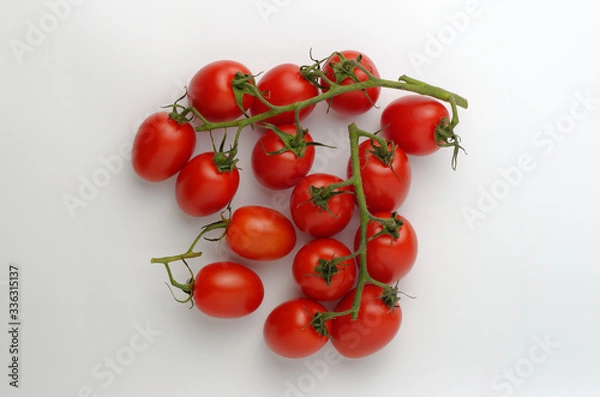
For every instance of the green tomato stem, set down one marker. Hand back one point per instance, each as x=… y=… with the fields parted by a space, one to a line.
x=404 y=83
x=168 y=259
x=365 y=216
x=363 y=276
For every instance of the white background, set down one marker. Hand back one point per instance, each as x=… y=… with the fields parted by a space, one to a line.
x=487 y=292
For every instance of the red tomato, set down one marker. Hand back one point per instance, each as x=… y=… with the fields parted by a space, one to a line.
x=282 y=170
x=389 y=259
x=411 y=122
x=375 y=326
x=211 y=91
x=202 y=189
x=315 y=219
x=227 y=290
x=312 y=277
x=288 y=331
x=284 y=85
x=354 y=102
x=162 y=147
x=385 y=186
x=260 y=233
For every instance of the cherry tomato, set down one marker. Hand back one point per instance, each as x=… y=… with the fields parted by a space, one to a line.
x=282 y=170
x=355 y=102
x=317 y=278
x=260 y=233
x=162 y=147
x=284 y=85
x=227 y=290
x=211 y=91
x=202 y=189
x=375 y=326
x=411 y=121
x=326 y=218
x=385 y=186
x=389 y=259
x=288 y=330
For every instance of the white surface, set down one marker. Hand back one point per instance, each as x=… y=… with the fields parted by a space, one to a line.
x=528 y=270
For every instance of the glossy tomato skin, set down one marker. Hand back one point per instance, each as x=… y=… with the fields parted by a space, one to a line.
x=411 y=121
x=385 y=186
x=355 y=102
x=287 y=330
x=227 y=290
x=283 y=170
x=211 y=92
x=260 y=233
x=374 y=328
x=162 y=147
x=311 y=283
x=201 y=189
x=389 y=259
x=315 y=220
x=284 y=85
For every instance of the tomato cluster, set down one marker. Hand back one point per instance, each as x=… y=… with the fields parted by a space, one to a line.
x=361 y=283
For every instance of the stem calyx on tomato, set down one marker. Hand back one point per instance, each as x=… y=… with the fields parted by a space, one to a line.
x=187 y=288
x=327 y=268
x=318 y=323
x=344 y=68
x=446 y=137
x=242 y=85
x=385 y=153
x=320 y=195
x=182 y=117
x=296 y=144
x=225 y=160
x=390 y=297
x=390 y=226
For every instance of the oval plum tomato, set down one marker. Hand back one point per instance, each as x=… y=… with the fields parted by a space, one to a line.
x=284 y=85
x=411 y=122
x=386 y=175
x=320 y=274
x=318 y=212
x=389 y=258
x=281 y=170
x=211 y=91
x=162 y=147
x=260 y=233
x=227 y=290
x=355 y=102
x=202 y=189
x=288 y=330
x=375 y=326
